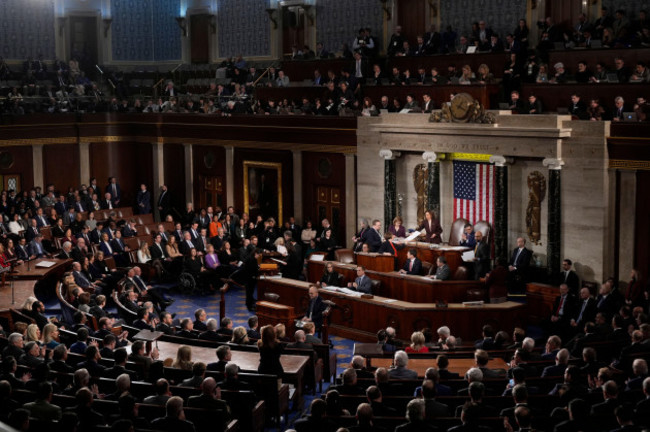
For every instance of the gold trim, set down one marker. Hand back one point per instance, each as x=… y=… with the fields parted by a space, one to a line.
x=474 y=157
x=257 y=164
x=629 y=165
x=37 y=141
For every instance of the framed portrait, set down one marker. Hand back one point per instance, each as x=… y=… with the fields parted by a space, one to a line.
x=263 y=190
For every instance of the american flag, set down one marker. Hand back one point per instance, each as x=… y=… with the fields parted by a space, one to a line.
x=474 y=191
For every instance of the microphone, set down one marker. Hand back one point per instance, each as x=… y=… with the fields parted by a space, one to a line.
x=176 y=68
x=99 y=69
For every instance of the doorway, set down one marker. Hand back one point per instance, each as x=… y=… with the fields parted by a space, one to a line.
x=293 y=28
x=83 y=41
x=211 y=193
x=200 y=28
x=328 y=206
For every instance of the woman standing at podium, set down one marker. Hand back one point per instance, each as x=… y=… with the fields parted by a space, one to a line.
x=330 y=276
x=431 y=227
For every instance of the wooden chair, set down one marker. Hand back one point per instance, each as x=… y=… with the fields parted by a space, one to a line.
x=485 y=229
x=461 y=273
x=427 y=268
x=345 y=256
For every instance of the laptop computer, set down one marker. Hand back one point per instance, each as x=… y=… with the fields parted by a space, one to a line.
x=504 y=106
x=612 y=78
x=383 y=111
x=596 y=43
x=563 y=110
x=630 y=117
x=471 y=50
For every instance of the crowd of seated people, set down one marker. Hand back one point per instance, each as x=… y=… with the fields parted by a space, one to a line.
x=65 y=88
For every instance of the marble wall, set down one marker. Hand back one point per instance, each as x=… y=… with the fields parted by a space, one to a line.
x=500 y=15
x=338 y=21
x=245 y=31
x=145 y=30
x=27 y=29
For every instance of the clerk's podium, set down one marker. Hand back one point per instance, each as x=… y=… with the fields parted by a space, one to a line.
x=270 y=313
x=376 y=262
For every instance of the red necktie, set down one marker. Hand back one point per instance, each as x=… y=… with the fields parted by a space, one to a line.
x=559 y=308
x=411 y=266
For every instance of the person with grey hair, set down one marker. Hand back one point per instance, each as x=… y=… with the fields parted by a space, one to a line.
x=349 y=386
x=231 y=379
x=199 y=322
x=80 y=379
x=358 y=363
x=415 y=416
x=175 y=418
x=299 y=338
x=122 y=387
x=643 y=407
x=66 y=251
x=619 y=109
x=603 y=413
x=210 y=399
x=400 y=368
x=639 y=374
x=561 y=363
x=15 y=346
x=211 y=331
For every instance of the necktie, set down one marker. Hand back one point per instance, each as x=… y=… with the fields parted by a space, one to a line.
x=79 y=207
x=517 y=257
x=114 y=192
x=43 y=221
x=38 y=248
x=601 y=301
x=559 y=307
x=190 y=244
x=582 y=310
x=161 y=249
x=411 y=266
x=164 y=236
x=110 y=249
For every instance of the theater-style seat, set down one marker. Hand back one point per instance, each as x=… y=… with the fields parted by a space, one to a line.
x=346 y=256
x=457 y=231
x=461 y=273
x=427 y=268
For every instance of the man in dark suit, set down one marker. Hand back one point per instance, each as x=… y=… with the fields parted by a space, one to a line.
x=487 y=343
x=362 y=283
x=563 y=311
x=186 y=244
x=433 y=408
x=372 y=237
x=412 y=266
x=442 y=271
x=143 y=200
x=518 y=265
x=569 y=277
x=481 y=256
x=585 y=310
x=561 y=363
x=603 y=413
x=251 y=271
x=315 y=309
x=164 y=202
x=35 y=249
x=606 y=301
x=114 y=189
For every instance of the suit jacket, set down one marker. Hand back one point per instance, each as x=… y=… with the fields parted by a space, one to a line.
x=417 y=267
x=482 y=263
x=364 y=284
x=114 y=197
x=43 y=410
x=554 y=370
x=157 y=252
x=416 y=427
x=572 y=281
x=568 y=308
x=606 y=305
x=144 y=202
x=402 y=373
x=33 y=249
x=588 y=314
x=520 y=260
x=443 y=273
x=435 y=409
x=315 y=311
x=373 y=239
x=430 y=229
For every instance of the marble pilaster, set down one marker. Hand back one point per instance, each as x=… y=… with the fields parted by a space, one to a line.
x=554 y=242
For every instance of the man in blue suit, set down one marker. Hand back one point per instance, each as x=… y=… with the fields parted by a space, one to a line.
x=315 y=309
x=36 y=249
x=362 y=283
x=412 y=266
x=144 y=200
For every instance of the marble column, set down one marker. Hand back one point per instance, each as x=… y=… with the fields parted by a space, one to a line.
x=84 y=163
x=230 y=175
x=554 y=243
x=37 y=163
x=189 y=173
x=433 y=181
x=158 y=175
x=297 y=185
x=350 y=197
x=500 y=207
x=390 y=184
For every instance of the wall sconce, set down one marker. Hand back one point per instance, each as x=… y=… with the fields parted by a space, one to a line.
x=271 y=12
x=107 y=26
x=309 y=16
x=213 y=23
x=182 y=24
x=62 y=22
x=386 y=9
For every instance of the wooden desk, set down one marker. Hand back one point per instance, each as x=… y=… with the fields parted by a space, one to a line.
x=248 y=361
x=394 y=285
x=377 y=262
x=540 y=299
x=429 y=252
x=457 y=365
x=360 y=319
x=30 y=271
x=274 y=313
